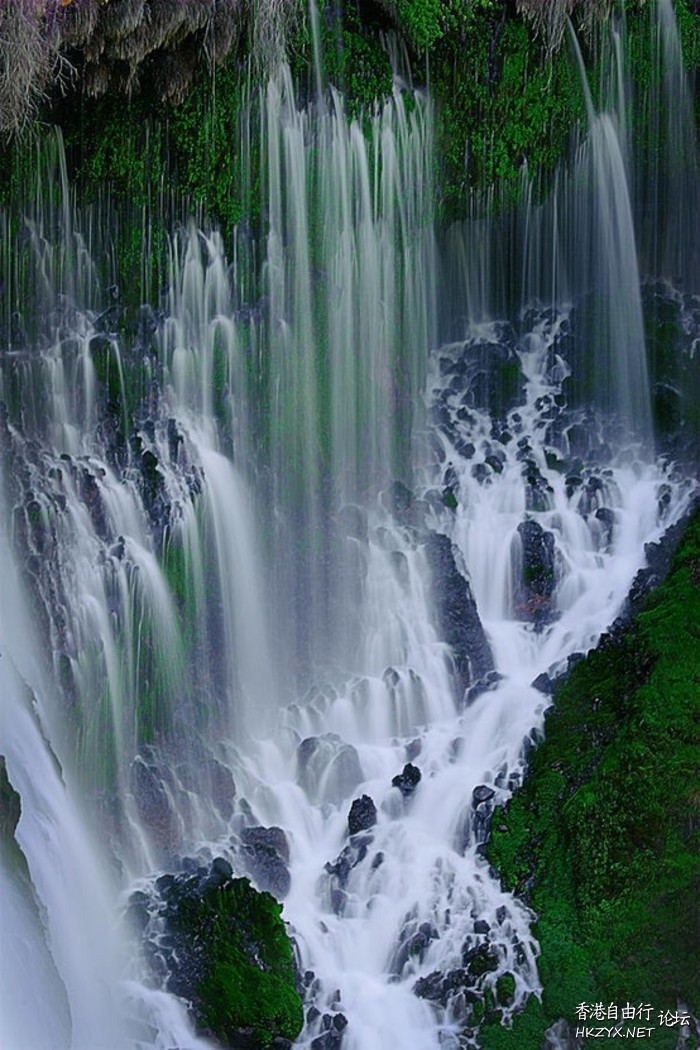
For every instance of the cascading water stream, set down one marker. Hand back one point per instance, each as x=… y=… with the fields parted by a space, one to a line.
x=260 y=542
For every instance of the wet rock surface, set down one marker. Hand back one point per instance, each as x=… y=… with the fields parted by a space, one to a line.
x=407 y=780
x=535 y=587
x=458 y=616
x=362 y=816
x=264 y=856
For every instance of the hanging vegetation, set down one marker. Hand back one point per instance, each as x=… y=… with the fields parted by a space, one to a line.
x=125 y=46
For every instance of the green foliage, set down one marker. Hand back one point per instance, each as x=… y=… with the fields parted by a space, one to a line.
x=246 y=979
x=603 y=840
x=422 y=21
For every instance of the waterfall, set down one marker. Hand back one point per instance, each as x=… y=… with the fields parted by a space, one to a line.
x=319 y=526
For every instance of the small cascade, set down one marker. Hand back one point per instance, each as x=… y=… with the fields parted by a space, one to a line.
x=403 y=928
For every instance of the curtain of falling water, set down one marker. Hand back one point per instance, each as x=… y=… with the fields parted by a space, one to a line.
x=203 y=522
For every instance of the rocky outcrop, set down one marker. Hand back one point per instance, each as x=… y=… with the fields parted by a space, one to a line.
x=458 y=617
x=224 y=949
x=534 y=588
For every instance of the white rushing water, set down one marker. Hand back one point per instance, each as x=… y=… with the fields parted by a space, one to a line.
x=250 y=544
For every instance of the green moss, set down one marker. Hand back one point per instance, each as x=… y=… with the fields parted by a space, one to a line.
x=505 y=989
x=526 y=1034
x=603 y=840
x=246 y=975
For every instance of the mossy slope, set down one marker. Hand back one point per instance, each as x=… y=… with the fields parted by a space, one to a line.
x=603 y=840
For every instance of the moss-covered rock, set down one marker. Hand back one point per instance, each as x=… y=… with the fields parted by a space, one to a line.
x=228 y=953
x=603 y=840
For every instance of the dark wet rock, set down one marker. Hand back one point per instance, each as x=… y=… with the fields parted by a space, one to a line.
x=329 y=1040
x=554 y=462
x=362 y=816
x=164 y=882
x=572 y=483
x=175 y=439
x=391 y=677
x=450 y=478
x=495 y=379
x=270 y=838
x=544 y=684
x=223 y=948
x=108 y=321
x=407 y=781
x=152 y=477
x=92 y=498
x=350 y=856
x=401 y=502
x=606 y=517
x=484 y=685
x=223 y=787
x=264 y=855
x=414 y=944
x=466 y=449
x=482 y=793
x=377 y=861
x=221 y=870
x=153 y=804
x=457 y=981
x=328 y=768
x=429 y=987
x=538 y=492
x=480 y=472
x=440 y=417
x=481 y=960
x=535 y=587
x=10 y=805
x=458 y=617
x=481 y=926
x=118 y=549
x=137 y=912
x=501 y=914
x=441 y=987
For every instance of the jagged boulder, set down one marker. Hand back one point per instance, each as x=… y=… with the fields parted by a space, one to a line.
x=458 y=616
x=407 y=780
x=363 y=815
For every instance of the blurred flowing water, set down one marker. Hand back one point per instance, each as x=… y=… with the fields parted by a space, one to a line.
x=318 y=525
